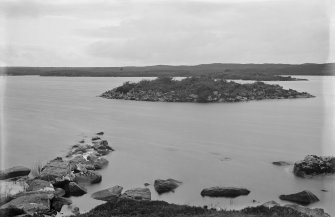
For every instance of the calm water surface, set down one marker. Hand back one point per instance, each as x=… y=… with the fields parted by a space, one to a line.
x=203 y=145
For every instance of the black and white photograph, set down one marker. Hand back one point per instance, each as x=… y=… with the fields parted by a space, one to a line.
x=167 y=108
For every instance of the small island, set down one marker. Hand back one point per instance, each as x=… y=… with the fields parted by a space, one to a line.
x=202 y=89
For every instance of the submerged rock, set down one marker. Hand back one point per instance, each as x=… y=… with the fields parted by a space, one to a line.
x=281 y=163
x=14 y=172
x=163 y=186
x=314 y=165
x=137 y=194
x=100 y=133
x=224 y=192
x=303 y=197
x=109 y=194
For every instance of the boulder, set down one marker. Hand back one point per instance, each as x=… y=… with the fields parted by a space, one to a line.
x=55 y=169
x=281 y=163
x=14 y=172
x=39 y=185
x=88 y=177
x=95 y=138
x=76 y=189
x=58 y=202
x=270 y=204
x=100 y=133
x=316 y=212
x=102 y=147
x=163 y=186
x=314 y=165
x=224 y=192
x=109 y=194
x=30 y=203
x=303 y=197
x=137 y=194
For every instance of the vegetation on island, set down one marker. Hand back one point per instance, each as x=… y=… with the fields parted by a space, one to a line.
x=199 y=89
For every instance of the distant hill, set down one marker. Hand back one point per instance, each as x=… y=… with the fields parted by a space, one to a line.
x=229 y=70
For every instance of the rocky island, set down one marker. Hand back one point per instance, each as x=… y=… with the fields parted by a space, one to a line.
x=203 y=89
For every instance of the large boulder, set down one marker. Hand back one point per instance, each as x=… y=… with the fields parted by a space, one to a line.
x=55 y=169
x=314 y=165
x=224 y=192
x=76 y=189
x=109 y=194
x=137 y=194
x=30 y=203
x=163 y=186
x=14 y=172
x=39 y=185
x=303 y=197
x=88 y=177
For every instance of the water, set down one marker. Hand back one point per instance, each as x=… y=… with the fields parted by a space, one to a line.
x=203 y=145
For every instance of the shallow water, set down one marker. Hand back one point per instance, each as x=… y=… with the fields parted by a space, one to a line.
x=203 y=145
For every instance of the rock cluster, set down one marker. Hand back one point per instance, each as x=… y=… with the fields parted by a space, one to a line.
x=313 y=165
x=59 y=178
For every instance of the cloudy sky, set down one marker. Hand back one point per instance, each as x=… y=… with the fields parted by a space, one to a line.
x=150 y=32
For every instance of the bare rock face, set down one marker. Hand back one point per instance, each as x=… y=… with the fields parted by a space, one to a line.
x=224 y=192
x=303 y=197
x=313 y=165
x=137 y=194
x=14 y=172
x=109 y=194
x=163 y=186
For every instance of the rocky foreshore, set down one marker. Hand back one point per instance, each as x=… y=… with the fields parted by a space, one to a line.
x=200 y=89
x=43 y=192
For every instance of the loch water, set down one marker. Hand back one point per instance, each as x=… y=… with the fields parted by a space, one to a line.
x=202 y=145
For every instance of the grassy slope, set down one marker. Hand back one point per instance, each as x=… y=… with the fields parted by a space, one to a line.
x=127 y=208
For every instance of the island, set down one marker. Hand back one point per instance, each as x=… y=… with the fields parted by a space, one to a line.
x=202 y=89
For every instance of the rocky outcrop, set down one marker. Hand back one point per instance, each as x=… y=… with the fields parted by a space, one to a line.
x=109 y=194
x=313 y=165
x=281 y=163
x=224 y=192
x=200 y=89
x=163 y=186
x=303 y=197
x=14 y=172
x=137 y=194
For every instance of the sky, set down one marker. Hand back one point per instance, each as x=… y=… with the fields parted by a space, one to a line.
x=174 y=32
